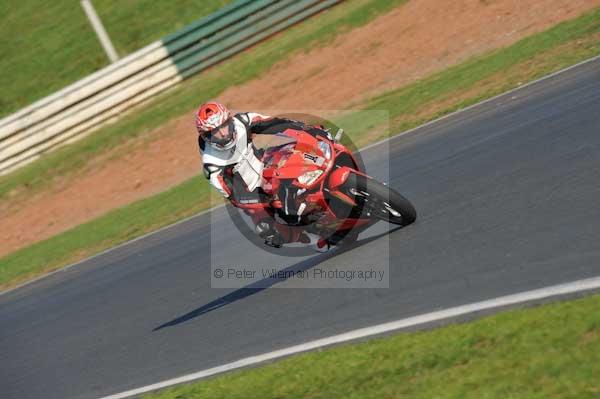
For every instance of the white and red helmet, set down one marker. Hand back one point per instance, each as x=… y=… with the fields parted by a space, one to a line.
x=212 y=117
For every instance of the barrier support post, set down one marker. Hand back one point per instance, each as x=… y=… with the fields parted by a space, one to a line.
x=99 y=29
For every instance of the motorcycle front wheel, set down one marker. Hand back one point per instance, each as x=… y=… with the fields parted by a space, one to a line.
x=380 y=201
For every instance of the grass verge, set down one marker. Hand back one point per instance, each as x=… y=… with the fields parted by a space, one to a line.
x=242 y=68
x=464 y=84
x=483 y=77
x=117 y=226
x=39 y=59
x=551 y=351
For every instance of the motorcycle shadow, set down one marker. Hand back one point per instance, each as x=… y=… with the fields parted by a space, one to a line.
x=268 y=282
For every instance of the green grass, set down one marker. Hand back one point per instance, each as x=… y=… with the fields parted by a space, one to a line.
x=566 y=44
x=240 y=69
x=45 y=46
x=551 y=351
x=117 y=226
x=134 y=24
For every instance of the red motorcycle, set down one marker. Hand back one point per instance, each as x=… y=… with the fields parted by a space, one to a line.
x=310 y=184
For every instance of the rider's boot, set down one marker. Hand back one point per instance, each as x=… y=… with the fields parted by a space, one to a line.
x=344 y=238
x=323 y=245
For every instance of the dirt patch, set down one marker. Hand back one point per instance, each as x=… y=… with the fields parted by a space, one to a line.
x=406 y=44
x=502 y=81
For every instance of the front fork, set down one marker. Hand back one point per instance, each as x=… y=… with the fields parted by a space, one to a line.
x=338 y=179
x=339 y=187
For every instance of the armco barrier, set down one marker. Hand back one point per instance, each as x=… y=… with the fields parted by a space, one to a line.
x=82 y=107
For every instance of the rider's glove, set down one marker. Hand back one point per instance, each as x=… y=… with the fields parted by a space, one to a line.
x=263 y=229
x=272 y=237
x=274 y=240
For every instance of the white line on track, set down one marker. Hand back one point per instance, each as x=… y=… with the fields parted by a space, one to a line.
x=361 y=149
x=528 y=296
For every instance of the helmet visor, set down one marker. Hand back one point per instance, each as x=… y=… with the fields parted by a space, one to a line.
x=221 y=135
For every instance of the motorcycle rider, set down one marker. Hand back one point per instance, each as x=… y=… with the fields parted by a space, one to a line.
x=219 y=135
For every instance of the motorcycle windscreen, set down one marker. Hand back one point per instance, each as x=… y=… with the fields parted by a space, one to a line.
x=266 y=141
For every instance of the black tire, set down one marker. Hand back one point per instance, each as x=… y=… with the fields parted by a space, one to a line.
x=382 y=202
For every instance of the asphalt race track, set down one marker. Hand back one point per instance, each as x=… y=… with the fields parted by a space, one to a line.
x=508 y=197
